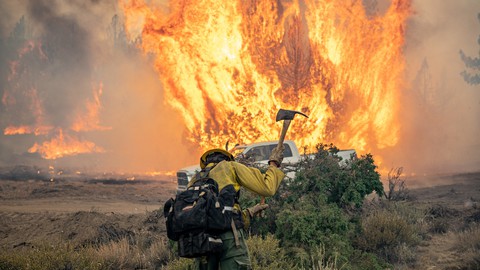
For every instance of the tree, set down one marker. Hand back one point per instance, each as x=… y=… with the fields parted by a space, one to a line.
x=472 y=63
x=8 y=52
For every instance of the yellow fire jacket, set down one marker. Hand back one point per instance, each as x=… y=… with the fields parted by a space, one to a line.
x=237 y=174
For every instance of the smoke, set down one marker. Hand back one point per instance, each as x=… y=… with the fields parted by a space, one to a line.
x=80 y=44
x=440 y=111
x=53 y=55
x=67 y=43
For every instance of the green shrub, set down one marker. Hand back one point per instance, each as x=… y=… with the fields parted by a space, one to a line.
x=344 y=186
x=310 y=225
x=305 y=226
x=315 y=208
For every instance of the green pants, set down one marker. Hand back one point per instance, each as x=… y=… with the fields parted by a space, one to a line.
x=232 y=256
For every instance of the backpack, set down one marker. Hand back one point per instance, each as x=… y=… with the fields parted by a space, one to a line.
x=198 y=215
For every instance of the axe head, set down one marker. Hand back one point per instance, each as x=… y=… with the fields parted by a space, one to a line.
x=287 y=114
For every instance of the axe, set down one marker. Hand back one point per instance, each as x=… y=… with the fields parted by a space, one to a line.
x=287 y=117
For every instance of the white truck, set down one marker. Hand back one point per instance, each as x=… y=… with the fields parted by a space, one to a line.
x=258 y=154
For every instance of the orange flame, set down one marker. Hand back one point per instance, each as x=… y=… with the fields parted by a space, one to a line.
x=11 y=130
x=14 y=130
x=90 y=120
x=228 y=66
x=64 y=145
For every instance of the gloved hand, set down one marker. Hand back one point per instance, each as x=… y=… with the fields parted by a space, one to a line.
x=277 y=155
x=256 y=209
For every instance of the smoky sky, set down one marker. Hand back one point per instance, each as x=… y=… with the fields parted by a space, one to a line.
x=82 y=43
x=66 y=44
x=58 y=52
x=441 y=111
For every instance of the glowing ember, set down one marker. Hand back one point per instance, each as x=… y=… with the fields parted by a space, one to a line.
x=228 y=66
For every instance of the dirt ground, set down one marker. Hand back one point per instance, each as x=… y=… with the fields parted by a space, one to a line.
x=453 y=203
x=79 y=212
x=94 y=211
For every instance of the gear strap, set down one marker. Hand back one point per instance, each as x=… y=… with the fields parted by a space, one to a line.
x=235 y=234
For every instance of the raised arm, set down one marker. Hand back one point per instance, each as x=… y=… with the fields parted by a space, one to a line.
x=253 y=180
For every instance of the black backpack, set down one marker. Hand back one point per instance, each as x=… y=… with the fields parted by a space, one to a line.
x=198 y=215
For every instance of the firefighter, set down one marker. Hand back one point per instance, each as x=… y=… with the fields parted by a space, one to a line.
x=226 y=171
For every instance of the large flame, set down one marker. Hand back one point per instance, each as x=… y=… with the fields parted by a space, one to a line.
x=228 y=66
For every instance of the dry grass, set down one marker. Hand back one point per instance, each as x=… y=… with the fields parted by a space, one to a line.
x=439 y=217
x=468 y=245
x=117 y=255
x=392 y=231
x=319 y=260
x=124 y=254
x=265 y=253
x=47 y=257
x=397 y=188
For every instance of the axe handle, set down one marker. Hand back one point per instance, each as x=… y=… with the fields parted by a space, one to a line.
x=286 y=124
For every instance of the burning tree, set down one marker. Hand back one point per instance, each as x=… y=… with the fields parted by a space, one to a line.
x=38 y=69
x=472 y=63
x=228 y=67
